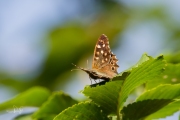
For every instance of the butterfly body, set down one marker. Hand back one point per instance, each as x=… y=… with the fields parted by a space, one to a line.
x=96 y=75
x=104 y=64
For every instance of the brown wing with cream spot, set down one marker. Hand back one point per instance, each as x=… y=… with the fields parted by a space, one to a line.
x=102 y=53
x=104 y=61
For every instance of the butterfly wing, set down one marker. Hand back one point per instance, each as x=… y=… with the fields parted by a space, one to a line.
x=102 y=52
x=104 y=61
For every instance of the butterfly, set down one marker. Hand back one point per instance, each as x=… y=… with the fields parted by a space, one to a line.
x=104 y=65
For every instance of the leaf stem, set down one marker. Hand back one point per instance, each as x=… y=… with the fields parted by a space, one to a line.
x=119 y=117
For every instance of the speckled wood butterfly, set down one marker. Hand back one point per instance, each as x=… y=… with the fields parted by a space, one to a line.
x=104 y=65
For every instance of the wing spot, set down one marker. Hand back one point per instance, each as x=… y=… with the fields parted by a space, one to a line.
x=103 y=45
x=96 y=58
x=106 y=59
x=105 y=54
x=101 y=41
x=98 y=46
x=97 y=53
x=102 y=51
x=103 y=61
x=112 y=68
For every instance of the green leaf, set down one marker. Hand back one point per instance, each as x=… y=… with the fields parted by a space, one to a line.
x=173 y=58
x=161 y=92
x=105 y=95
x=23 y=117
x=82 y=111
x=141 y=109
x=126 y=73
x=143 y=59
x=144 y=72
x=108 y=95
x=165 y=111
x=122 y=76
x=56 y=103
x=32 y=97
x=170 y=76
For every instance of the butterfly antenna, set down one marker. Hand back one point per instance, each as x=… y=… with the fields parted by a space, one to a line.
x=78 y=68
x=75 y=65
x=74 y=69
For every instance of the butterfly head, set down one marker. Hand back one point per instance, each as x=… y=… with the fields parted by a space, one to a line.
x=92 y=74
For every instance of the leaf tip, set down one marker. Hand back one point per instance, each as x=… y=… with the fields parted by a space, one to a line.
x=160 y=56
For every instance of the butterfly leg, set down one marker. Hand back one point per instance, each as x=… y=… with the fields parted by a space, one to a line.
x=95 y=81
x=90 y=80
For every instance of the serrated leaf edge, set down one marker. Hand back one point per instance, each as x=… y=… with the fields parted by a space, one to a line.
x=150 y=58
x=161 y=85
x=90 y=102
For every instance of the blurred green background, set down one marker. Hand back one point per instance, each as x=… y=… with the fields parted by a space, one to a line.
x=40 y=39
